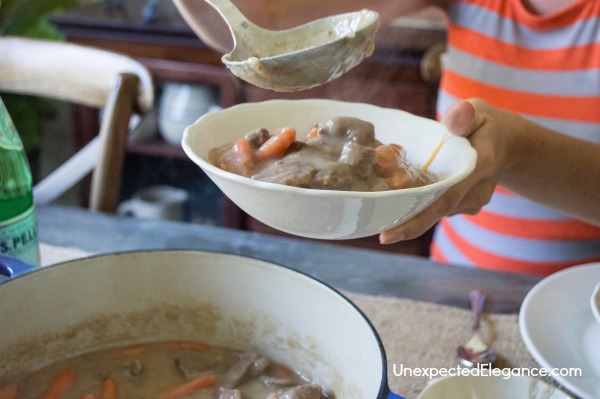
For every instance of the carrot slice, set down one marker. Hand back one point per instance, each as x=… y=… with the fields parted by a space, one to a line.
x=88 y=395
x=10 y=391
x=281 y=372
x=278 y=144
x=60 y=384
x=191 y=386
x=399 y=179
x=314 y=132
x=130 y=351
x=108 y=389
x=244 y=156
x=199 y=346
x=386 y=157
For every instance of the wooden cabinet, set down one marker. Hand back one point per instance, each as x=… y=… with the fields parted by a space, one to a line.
x=167 y=46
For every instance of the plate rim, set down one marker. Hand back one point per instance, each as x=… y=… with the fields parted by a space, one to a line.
x=595 y=302
x=533 y=349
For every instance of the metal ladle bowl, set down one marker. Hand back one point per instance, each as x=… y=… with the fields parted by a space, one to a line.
x=299 y=58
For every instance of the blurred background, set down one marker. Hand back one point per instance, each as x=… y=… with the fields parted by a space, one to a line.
x=191 y=80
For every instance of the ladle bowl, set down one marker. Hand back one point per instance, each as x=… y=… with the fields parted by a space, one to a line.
x=299 y=58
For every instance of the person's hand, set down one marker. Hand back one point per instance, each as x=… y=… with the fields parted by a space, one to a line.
x=487 y=128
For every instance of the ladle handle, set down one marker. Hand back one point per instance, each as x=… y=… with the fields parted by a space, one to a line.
x=478 y=298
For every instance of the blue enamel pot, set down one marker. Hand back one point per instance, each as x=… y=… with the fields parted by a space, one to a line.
x=124 y=298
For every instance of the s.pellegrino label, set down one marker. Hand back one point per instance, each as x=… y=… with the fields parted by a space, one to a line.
x=18 y=226
x=18 y=238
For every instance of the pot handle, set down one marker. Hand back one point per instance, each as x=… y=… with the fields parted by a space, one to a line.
x=392 y=395
x=11 y=267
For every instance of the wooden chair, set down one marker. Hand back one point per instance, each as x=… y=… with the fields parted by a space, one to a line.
x=432 y=63
x=76 y=74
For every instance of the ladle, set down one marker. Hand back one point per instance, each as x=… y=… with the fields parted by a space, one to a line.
x=299 y=58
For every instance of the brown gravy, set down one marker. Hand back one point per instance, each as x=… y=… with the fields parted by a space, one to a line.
x=158 y=370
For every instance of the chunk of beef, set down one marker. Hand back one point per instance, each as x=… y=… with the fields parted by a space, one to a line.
x=295 y=147
x=225 y=393
x=361 y=158
x=293 y=174
x=354 y=129
x=257 y=137
x=302 y=170
x=215 y=154
x=240 y=371
x=332 y=179
x=227 y=158
x=326 y=147
x=305 y=391
x=188 y=369
x=260 y=366
x=133 y=368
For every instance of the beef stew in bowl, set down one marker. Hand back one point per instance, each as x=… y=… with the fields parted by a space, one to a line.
x=338 y=154
x=325 y=213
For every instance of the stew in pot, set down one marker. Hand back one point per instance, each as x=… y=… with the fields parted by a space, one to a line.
x=337 y=154
x=165 y=370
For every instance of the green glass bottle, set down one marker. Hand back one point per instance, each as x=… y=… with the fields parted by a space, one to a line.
x=18 y=226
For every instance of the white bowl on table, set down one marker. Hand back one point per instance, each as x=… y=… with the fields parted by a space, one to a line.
x=490 y=387
x=329 y=214
x=559 y=330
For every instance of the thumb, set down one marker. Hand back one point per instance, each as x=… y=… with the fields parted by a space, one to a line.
x=462 y=118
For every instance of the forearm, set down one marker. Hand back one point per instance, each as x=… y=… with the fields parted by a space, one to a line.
x=553 y=169
x=283 y=14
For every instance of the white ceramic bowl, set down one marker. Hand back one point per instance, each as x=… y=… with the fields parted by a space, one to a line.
x=171 y=129
x=328 y=214
x=595 y=302
x=489 y=387
x=180 y=105
x=180 y=98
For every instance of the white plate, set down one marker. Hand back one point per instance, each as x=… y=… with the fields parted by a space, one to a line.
x=560 y=331
x=490 y=387
x=595 y=302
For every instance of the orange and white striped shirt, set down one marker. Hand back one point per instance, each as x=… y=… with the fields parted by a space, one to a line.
x=546 y=68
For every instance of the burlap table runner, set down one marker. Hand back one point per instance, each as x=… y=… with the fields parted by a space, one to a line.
x=415 y=334
x=421 y=335
x=51 y=254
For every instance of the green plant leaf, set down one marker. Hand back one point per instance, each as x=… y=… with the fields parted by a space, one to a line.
x=24 y=111
x=30 y=17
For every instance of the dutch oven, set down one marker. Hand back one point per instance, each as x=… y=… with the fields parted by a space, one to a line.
x=124 y=298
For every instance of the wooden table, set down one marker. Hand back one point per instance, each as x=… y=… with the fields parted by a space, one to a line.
x=345 y=268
